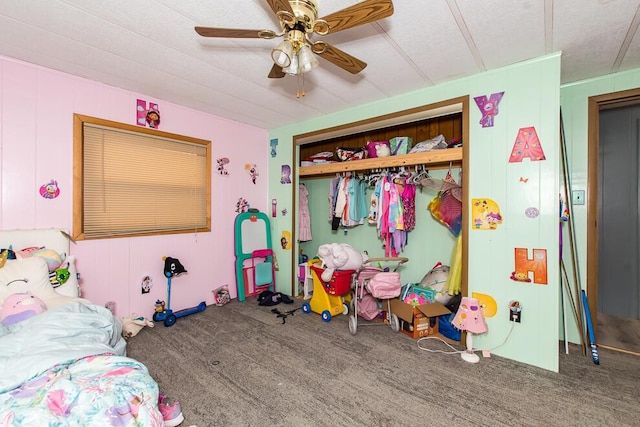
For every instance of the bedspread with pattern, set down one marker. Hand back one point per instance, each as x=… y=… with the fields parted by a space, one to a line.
x=64 y=368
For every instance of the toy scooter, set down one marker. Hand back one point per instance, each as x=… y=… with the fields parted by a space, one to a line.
x=173 y=267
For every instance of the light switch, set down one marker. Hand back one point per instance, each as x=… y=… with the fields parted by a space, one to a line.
x=577 y=197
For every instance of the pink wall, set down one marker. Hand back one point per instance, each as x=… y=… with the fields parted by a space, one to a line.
x=36 y=139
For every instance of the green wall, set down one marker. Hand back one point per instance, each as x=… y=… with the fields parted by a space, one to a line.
x=531 y=99
x=574 y=100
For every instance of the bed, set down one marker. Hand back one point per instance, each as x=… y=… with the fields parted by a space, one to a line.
x=66 y=363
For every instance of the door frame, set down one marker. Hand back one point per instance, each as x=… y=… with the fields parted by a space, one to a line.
x=597 y=103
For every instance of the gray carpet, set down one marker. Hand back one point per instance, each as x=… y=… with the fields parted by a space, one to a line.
x=239 y=365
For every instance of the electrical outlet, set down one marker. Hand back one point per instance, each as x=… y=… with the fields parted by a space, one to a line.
x=515 y=311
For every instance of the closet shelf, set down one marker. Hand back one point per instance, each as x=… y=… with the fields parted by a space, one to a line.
x=437 y=159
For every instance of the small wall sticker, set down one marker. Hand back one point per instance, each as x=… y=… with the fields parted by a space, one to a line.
x=222 y=162
x=485 y=214
x=242 y=205
x=252 y=170
x=488 y=108
x=147 y=117
x=487 y=303
x=285 y=240
x=50 y=190
x=274 y=144
x=146 y=284
x=285 y=174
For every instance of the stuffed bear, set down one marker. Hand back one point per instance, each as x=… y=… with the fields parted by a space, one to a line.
x=339 y=256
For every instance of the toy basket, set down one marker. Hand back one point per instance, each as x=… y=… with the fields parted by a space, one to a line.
x=340 y=283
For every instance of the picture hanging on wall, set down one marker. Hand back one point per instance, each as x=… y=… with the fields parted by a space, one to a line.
x=488 y=108
x=527 y=145
x=485 y=214
x=285 y=174
x=50 y=190
x=252 y=170
x=274 y=144
x=525 y=265
x=222 y=162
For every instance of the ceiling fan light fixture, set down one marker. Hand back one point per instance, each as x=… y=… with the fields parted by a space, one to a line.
x=307 y=60
x=282 y=54
x=293 y=67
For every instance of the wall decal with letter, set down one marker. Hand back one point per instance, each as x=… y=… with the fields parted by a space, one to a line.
x=525 y=265
x=488 y=108
x=527 y=145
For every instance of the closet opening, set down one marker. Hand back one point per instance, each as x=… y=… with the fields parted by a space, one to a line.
x=449 y=118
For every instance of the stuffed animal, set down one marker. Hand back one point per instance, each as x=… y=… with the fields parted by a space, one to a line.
x=339 y=256
x=60 y=276
x=20 y=306
x=53 y=258
x=436 y=279
x=134 y=324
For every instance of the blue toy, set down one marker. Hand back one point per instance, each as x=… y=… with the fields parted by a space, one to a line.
x=173 y=267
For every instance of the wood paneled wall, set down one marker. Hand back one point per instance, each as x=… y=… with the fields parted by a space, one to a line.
x=449 y=126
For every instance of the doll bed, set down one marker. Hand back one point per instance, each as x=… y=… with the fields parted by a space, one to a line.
x=67 y=365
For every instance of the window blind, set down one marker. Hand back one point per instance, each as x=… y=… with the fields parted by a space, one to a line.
x=136 y=183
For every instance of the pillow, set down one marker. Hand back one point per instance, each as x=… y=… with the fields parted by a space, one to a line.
x=26 y=275
x=20 y=306
x=36 y=273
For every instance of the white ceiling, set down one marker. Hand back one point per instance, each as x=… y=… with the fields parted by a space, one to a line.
x=150 y=47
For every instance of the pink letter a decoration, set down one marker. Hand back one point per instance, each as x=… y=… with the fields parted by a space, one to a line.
x=527 y=145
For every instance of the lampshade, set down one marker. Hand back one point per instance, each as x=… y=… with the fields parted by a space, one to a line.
x=293 y=66
x=307 y=60
x=469 y=318
x=282 y=54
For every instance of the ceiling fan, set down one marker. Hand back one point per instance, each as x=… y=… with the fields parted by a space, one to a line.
x=299 y=22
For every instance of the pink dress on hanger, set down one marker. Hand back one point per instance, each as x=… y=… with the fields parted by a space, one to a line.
x=304 y=216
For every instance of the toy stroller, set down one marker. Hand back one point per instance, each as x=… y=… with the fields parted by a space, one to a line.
x=372 y=284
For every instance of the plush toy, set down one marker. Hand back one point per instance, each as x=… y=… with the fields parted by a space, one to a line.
x=415 y=299
x=436 y=279
x=20 y=306
x=339 y=256
x=60 y=276
x=160 y=306
x=3 y=257
x=53 y=258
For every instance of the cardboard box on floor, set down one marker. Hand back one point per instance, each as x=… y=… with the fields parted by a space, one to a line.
x=419 y=321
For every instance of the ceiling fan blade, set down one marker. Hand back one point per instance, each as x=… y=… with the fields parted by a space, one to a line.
x=342 y=59
x=280 y=5
x=276 y=72
x=361 y=13
x=235 y=33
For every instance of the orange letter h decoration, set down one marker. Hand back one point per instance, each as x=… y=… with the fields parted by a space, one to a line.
x=537 y=264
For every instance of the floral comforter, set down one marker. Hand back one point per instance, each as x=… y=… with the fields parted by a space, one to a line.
x=67 y=367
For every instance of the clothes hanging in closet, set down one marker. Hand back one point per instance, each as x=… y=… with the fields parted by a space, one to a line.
x=392 y=210
x=304 y=216
x=347 y=202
